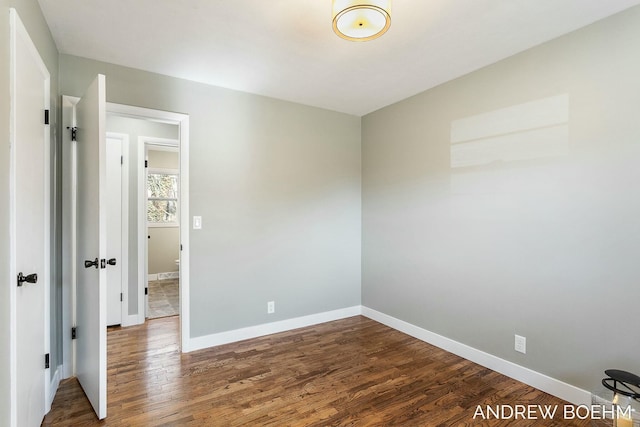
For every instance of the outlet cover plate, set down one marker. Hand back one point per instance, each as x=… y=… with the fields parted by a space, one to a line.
x=271 y=307
x=521 y=344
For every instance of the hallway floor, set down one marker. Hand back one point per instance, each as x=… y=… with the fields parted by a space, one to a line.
x=164 y=298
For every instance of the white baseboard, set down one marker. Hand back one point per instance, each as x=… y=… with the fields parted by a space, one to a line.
x=66 y=371
x=535 y=379
x=55 y=383
x=213 y=340
x=169 y=275
x=131 y=320
x=163 y=276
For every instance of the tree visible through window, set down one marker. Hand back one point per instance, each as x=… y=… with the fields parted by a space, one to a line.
x=162 y=198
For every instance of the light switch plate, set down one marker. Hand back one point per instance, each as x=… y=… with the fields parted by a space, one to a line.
x=197 y=222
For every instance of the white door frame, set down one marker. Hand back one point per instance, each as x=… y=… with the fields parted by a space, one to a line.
x=124 y=194
x=17 y=29
x=143 y=227
x=69 y=254
x=182 y=121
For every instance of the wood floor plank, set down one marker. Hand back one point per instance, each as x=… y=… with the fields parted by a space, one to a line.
x=351 y=372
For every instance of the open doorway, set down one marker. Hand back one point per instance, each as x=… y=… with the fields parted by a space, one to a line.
x=160 y=128
x=162 y=204
x=132 y=300
x=162 y=215
x=128 y=124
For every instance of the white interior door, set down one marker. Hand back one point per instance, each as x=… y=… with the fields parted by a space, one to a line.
x=30 y=213
x=114 y=231
x=91 y=322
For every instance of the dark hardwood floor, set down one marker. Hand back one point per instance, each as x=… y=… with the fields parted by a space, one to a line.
x=351 y=372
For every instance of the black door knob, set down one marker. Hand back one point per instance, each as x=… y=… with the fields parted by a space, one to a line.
x=31 y=278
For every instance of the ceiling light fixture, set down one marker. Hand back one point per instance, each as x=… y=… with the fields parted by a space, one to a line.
x=361 y=20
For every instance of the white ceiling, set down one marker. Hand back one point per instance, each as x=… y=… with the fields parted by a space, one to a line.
x=286 y=49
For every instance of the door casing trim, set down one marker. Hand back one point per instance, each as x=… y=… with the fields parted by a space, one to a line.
x=124 y=195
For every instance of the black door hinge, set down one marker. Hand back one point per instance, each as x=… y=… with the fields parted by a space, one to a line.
x=46 y=361
x=73 y=333
x=46 y=117
x=121 y=297
x=103 y=263
x=74 y=131
x=122 y=160
x=31 y=278
x=180 y=246
x=146 y=291
x=146 y=163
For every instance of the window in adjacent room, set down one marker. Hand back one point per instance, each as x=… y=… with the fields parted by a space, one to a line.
x=162 y=198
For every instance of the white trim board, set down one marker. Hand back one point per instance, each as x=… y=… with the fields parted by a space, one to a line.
x=124 y=261
x=69 y=182
x=535 y=379
x=242 y=334
x=129 y=319
x=168 y=275
x=53 y=387
x=152 y=277
x=69 y=190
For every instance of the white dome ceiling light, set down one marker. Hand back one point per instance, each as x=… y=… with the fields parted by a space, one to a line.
x=361 y=20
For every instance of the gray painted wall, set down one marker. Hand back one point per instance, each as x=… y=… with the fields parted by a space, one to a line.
x=33 y=20
x=136 y=128
x=540 y=242
x=277 y=185
x=160 y=159
x=164 y=242
x=164 y=249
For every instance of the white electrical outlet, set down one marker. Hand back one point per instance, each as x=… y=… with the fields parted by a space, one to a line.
x=271 y=307
x=521 y=344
